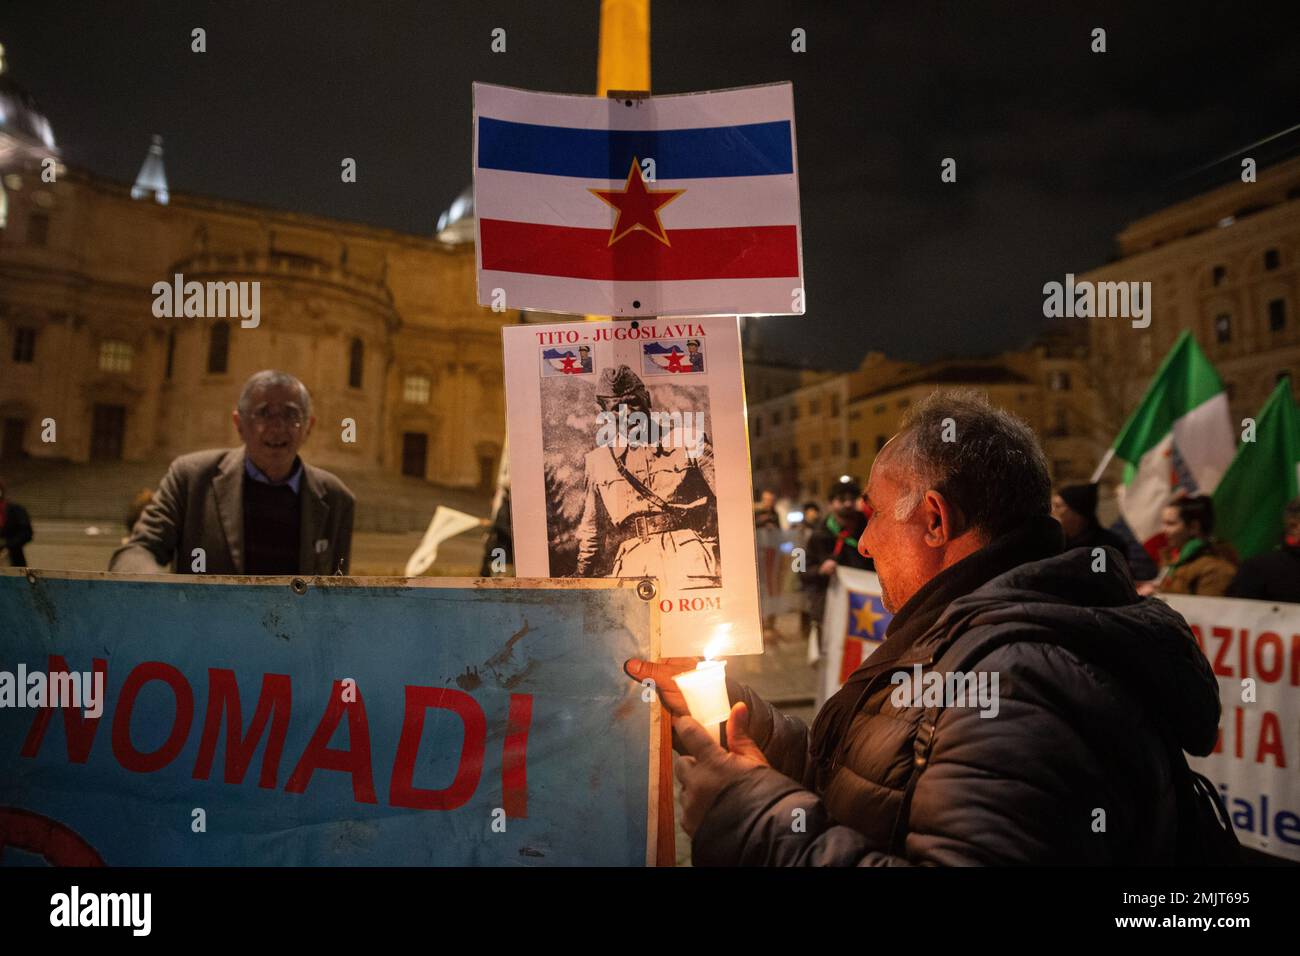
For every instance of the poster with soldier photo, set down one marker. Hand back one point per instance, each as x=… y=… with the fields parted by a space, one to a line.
x=630 y=459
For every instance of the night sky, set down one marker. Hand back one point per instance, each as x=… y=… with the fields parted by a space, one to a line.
x=1057 y=148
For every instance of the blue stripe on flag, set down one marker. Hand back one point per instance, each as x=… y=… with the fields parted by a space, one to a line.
x=755 y=149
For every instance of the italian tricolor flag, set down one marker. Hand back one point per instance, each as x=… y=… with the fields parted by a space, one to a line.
x=1180 y=437
x=1262 y=478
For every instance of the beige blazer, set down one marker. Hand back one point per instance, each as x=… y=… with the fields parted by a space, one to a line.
x=200 y=504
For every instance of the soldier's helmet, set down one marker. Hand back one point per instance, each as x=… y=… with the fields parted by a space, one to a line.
x=621 y=386
x=695 y=342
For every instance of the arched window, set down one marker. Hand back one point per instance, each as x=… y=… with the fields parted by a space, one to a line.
x=356 y=359
x=219 y=348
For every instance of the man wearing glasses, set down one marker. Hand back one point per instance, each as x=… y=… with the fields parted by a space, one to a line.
x=257 y=509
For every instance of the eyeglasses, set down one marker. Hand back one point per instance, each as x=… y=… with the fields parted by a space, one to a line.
x=291 y=417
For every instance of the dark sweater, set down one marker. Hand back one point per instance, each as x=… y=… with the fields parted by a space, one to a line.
x=272 y=526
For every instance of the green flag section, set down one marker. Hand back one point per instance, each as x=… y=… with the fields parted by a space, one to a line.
x=1180 y=435
x=1261 y=479
x=1185 y=380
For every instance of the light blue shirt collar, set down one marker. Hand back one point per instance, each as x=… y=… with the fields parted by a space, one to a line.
x=293 y=481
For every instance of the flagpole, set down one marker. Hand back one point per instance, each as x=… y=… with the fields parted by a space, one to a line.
x=1096 y=475
x=623 y=65
x=623 y=62
x=623 y=59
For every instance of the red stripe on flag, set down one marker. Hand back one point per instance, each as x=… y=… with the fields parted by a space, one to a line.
x=852 y=658
x=743 y=252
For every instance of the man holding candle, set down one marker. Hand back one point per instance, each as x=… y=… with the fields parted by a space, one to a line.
x=1100 y=690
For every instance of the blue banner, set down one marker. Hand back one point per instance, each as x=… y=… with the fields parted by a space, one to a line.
x=325 y=722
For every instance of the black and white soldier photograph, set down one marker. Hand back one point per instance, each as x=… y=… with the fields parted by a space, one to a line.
x=648 y=499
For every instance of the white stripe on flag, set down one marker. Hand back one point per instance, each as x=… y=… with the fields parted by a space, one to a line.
x=1141 y=501
x=1206 y=441
x=751 y=104
x=706 y=204
x=675 y=297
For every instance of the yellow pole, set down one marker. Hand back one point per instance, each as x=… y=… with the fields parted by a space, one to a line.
x=624 y=59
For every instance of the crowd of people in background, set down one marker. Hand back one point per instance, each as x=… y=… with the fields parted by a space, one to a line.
x=799 y=549
x=809 y=544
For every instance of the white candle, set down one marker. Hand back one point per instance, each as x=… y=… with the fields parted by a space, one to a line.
x=705 y=690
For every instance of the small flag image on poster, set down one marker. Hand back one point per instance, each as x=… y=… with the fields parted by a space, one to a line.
x=566 y=361
x=674 y=357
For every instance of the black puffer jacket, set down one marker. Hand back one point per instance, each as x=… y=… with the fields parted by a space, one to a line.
x=1092 y=681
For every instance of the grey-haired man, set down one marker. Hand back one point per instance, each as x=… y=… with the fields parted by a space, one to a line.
x=256 y=509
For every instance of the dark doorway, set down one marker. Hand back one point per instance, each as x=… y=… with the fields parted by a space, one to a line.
x=415 y=451
x=109 y=425
x=487 y=473
x=12 y=447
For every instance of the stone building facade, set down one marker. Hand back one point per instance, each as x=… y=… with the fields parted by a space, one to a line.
x=1222 y=264
x=802 y=442
x=381 y=326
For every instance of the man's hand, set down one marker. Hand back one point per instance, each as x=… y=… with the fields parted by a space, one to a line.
x=828 y=567
x=707 y=768
x=662 y=674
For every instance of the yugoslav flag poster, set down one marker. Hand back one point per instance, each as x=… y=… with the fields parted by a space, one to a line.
x=1179 y=437
x=665 y=205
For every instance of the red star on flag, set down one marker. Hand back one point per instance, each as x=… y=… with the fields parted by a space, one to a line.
x=569 y=366
x=638 y=207
x=675 y=362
